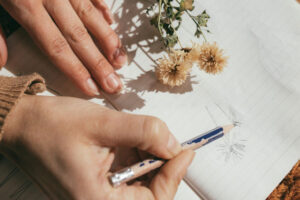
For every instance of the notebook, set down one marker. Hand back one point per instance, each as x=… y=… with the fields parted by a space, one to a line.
x=259 y=88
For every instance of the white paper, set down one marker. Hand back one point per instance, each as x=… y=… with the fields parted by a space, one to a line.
x=259 y=88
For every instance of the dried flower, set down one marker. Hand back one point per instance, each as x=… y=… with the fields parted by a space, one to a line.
x=209 y=57
x=174 y=69
x=187 y=4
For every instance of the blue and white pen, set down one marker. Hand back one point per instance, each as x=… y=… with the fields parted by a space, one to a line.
x=150 y=164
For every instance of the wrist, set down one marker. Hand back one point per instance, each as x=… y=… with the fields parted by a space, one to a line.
x=14 y=121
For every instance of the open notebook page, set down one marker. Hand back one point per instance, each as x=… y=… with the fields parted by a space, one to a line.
x=260 y=89
x=203 y=102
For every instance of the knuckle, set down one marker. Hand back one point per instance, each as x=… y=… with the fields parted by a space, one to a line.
x=58 y=46
x=29 y=5
x=110 y=35
x=101 y=4
x=78 y=33
x=152 y=127
x=80 y=74
x=101 y=62
x=85 y=9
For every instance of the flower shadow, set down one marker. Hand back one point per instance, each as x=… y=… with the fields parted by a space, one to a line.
x=136 y=89
x=148 y=82
x=134 y=28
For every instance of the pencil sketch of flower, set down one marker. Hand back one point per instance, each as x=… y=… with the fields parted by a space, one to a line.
x=232 y=148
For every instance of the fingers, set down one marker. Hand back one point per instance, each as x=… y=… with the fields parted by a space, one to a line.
x=40 y=26
x=144 y=132
x=103 y=8
x=97 y=25
x=3 y=49
x=70 y=47
x=165 y=183
x=82 y=44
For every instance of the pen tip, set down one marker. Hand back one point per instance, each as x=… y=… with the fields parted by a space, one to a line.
x=228 y=128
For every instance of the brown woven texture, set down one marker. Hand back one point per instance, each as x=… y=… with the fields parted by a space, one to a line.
x=12 y=89
x=289 y=188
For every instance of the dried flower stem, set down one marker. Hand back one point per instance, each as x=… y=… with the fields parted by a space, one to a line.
x=159 y=17
x=176 y=34
x=175 y=30
x=169 y=19
x=159 y=22
x=199 y=27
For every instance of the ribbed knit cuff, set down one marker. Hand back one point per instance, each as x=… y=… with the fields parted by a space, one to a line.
x=13 y=88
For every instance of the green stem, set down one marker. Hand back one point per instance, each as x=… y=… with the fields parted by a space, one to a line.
x=159 y=17
x=176 y=34
x=190 y=15
x=197 y=24
x=174 y=29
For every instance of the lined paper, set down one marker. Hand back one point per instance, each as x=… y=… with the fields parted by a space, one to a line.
x=260 y=89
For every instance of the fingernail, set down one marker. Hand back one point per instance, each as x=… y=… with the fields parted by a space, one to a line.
x=120 y=56
x=93 y=87
x=114 y=82
x=173 y=145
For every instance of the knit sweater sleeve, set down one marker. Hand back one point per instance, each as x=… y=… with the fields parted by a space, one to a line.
x=12 y=89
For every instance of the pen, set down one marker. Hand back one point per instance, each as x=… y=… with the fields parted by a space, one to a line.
x=150 y=164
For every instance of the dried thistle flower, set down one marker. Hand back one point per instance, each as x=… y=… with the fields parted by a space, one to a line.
x=174 y=69
x=209 y=57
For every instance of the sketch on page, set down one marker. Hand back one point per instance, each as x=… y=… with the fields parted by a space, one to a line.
x=231 y=148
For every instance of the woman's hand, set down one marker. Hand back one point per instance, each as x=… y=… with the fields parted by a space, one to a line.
x=67 y=146
x=61 y=29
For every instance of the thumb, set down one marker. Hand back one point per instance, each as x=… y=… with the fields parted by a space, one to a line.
x=3 y=49
x=143 y=132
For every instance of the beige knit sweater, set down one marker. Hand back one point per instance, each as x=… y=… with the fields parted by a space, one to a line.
x=13 y=88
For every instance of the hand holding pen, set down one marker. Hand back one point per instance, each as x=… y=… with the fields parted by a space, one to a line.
x=144 y=167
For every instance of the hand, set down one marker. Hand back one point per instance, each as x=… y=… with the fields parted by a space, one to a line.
x=66 y=145
x=61 y=29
